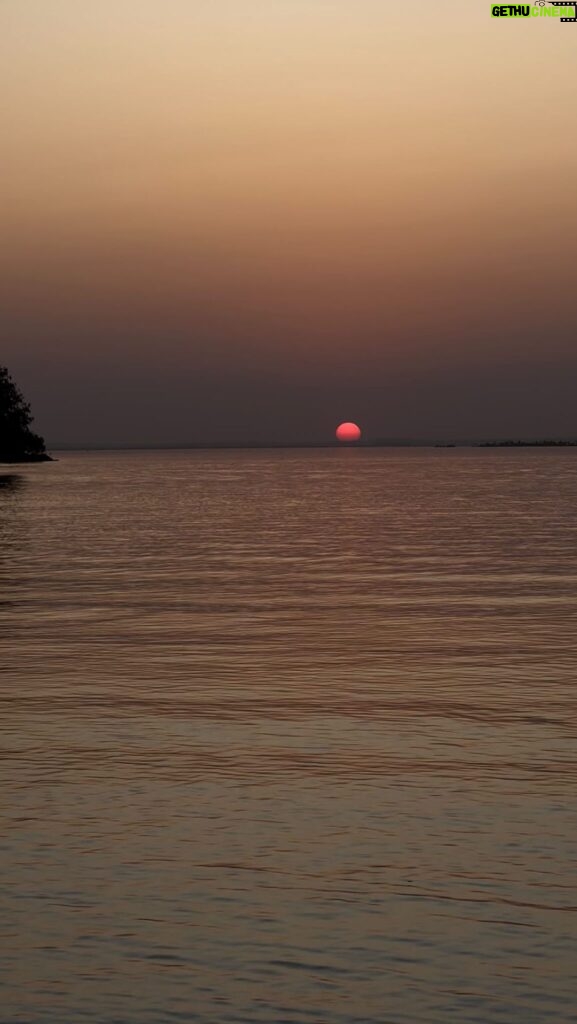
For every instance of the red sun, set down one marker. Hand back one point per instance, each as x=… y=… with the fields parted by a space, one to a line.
x=348 y=432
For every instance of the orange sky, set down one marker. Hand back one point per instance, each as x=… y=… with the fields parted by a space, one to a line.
x=261 y=196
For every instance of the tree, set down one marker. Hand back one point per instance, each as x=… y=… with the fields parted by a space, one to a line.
x=18 y=443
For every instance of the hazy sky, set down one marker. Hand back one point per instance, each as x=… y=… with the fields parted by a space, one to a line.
x=250 y=219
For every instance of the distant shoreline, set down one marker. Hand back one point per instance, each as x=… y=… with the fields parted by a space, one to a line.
x=280 y=446
x=21 y=460
x=528 y=444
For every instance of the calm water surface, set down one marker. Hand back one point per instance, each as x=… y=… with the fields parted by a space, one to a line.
x=289 y=737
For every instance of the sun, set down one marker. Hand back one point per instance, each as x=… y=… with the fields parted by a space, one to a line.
x=348 y=432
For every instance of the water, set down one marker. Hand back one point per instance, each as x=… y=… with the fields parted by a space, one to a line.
x=289 y=737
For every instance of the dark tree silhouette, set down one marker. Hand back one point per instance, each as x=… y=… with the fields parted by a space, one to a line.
x=18 y=443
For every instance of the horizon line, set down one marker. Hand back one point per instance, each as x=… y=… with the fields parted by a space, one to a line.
x=376 y=443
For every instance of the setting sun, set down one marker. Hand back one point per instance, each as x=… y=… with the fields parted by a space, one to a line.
x=348 y=432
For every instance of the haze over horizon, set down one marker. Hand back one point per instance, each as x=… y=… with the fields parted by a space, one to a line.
x=250 y=220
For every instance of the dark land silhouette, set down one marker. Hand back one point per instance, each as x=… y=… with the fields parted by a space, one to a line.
x=546 y=443
x=149 y=446
x=18 y=443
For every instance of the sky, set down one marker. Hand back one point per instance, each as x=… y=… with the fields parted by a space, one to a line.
x=248 y=220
